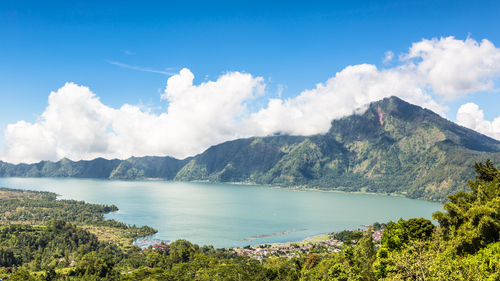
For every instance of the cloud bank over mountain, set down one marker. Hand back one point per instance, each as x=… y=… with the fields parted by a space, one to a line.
x=469 y=115
x=77 y=125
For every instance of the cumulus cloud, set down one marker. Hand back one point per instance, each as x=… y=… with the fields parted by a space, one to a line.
x=312 y=111
x=454 y=67
x=446 y=68
x=73 y=124
x=469 y=115
x=77 y=125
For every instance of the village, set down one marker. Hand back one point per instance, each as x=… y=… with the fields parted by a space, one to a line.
x=318 y=243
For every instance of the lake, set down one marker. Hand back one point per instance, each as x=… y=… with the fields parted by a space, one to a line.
x=221 y=214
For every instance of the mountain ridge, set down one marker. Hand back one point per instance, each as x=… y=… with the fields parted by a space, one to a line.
x=393 y=147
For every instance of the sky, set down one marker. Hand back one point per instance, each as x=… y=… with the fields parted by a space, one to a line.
x=115 y=79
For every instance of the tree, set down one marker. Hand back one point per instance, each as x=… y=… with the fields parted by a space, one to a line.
x=471 y=220
x=400 y=233
x=365 y=255
x=23 y=275
x=312 y=260
x=403 y=245
x=182 y=251
x=463 y=246
x=93 y=264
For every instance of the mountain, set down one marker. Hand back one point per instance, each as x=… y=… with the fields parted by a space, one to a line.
x=132 y=168
x=393 y=148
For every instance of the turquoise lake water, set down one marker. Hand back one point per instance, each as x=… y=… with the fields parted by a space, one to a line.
x=220 y=214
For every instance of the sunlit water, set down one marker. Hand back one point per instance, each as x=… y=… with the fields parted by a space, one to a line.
x=220 y=215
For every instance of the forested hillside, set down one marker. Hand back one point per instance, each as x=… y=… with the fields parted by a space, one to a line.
x=392 y=148
x=132 y=168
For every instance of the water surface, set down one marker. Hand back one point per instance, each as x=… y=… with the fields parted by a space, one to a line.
x=220 y=214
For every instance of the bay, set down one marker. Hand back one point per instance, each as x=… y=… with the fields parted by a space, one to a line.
x=221 y=214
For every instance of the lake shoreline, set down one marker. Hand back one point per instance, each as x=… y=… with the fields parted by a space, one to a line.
x=313 y=189
x=291 y=188
x=220 y=214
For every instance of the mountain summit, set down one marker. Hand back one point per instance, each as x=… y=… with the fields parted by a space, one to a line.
x=393 y=148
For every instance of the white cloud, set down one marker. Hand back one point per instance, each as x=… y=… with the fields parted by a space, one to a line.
x=389 y=55
x=73 y=125
x=454 y=67
x=446 y=68
x=280 y=89
x=77 y=125
x=469 y=115
x=312 y=111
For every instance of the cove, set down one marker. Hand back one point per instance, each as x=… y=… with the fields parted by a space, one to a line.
x=222 y=215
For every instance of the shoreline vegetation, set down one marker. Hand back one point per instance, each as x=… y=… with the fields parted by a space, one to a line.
x=314 y=189
x=29 y=207
x=332 y=190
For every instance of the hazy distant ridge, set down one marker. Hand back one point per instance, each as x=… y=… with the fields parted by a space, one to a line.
x=132 y=168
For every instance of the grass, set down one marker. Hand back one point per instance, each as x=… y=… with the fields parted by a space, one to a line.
x=5 y=195
x=108 y=234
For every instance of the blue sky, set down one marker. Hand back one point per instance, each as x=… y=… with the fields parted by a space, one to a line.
x=125 y=52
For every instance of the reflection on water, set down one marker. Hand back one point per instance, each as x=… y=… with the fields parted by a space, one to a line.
x=220 y=215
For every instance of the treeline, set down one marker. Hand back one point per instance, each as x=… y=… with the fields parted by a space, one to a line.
x=36 y=247
x=59 y=250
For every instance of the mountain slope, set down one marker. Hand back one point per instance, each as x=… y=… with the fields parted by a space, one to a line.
x=393 y=147
x=132 y=168
x=401 y=147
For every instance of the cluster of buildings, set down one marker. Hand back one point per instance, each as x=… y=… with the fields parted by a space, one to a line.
x=290 y=250
x=287 y=250
x=377 y=235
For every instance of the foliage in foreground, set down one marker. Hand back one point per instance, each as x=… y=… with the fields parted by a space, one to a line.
x=465 y=246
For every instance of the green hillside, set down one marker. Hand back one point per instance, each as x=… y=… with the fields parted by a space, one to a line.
x=132 y=168
x=392 y=148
